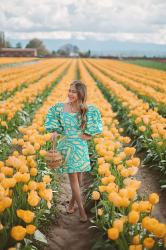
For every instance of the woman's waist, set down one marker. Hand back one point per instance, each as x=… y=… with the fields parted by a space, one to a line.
x=70 y=137
x=71 y=134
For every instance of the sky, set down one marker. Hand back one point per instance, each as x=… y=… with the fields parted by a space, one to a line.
x=99 y=25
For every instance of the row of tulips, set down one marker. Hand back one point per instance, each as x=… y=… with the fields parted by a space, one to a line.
x=16 y=103
x=152 y=77
x=140 y=120
x=8 y=74
x=144 y=116
x=124 y=217
x=30 y=75
x=141 y=87
x=24 y=118
x=26 y=184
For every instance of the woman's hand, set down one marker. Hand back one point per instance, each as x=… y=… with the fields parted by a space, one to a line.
x=85 y=137
x=54 y=136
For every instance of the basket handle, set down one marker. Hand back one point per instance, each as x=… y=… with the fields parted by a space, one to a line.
x=54 y=142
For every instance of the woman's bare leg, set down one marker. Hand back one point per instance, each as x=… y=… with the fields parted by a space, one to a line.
x=76 y=193
x=80 y=178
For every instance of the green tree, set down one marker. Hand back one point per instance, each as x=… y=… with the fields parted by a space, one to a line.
x=53 y=52
x=68 y=48
x=38 y=44
x=8 y=44
x=18 y=45
x=2 y=39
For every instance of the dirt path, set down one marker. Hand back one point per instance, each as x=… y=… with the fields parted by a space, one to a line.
x=150 y=184
x=69 y=233
x=20 y=64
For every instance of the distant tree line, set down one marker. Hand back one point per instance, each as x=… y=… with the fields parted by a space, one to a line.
x=42 y=51
x=3 y=42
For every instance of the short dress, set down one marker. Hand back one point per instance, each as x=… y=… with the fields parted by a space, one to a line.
x=74 y=149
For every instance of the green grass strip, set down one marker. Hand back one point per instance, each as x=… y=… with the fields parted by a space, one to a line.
x=148 y=64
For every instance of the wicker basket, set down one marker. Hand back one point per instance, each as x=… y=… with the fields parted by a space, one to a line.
x=53 y=157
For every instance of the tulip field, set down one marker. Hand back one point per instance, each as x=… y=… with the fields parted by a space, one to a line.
x=132 y=103
x=143 y=119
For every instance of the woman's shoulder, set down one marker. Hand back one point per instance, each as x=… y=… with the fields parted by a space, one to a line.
x=57 y=106
x=92 y=107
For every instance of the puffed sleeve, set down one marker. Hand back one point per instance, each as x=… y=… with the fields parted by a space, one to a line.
x=52 y=121
x=94 y=121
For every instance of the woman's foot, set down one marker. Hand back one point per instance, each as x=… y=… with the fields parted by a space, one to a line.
x=83 y=215
x=71 y=207
x=84 y=218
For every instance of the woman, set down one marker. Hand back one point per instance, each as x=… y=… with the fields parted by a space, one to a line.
x=77 y=122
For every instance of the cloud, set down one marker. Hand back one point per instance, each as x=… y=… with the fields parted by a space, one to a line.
x=127 y=20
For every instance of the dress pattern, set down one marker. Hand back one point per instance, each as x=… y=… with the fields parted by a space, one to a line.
x=73 y=148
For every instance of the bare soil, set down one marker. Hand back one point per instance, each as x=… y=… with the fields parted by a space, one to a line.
x=150 y=184
x=69 y=233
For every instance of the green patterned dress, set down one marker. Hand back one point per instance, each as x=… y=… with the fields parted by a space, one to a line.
x=73 y=148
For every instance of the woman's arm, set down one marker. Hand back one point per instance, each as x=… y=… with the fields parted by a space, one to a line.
x=85 y=136
x=54 y=135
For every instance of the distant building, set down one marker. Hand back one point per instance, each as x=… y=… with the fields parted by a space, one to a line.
x=74 y=54
x=18 y=52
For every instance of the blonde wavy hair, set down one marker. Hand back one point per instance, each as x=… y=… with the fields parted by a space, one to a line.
x=82 y=98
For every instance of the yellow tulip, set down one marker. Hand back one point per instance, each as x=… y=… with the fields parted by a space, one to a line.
x=100 y=160
x=1 y=226
x=1 y=164
x=30 y=229
x=159 y=230
x=100 y=211
x=131 y=193
x=25 y=188
x=136 y=162
x=33 y=198
x=8 y=182
x=25 y=177
x=102 y=189
x=7 y=171
x=133 y=217
x=118 y=224
x=46 y=194
x=41 y=185
x=26 y=215
x=148 y=242
x=32 y=185
x=43 y=152
x=124 y=202
x=124 y=172
x=95 y=195
x=142 y=128
x=46 y=179
x=153 y=198
x=136 y=239
x=113 y=233
x=135 y=247
x=146 y=222
x=129 y=150
x=145 y=206
x=33 y=171
x=18 y=233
